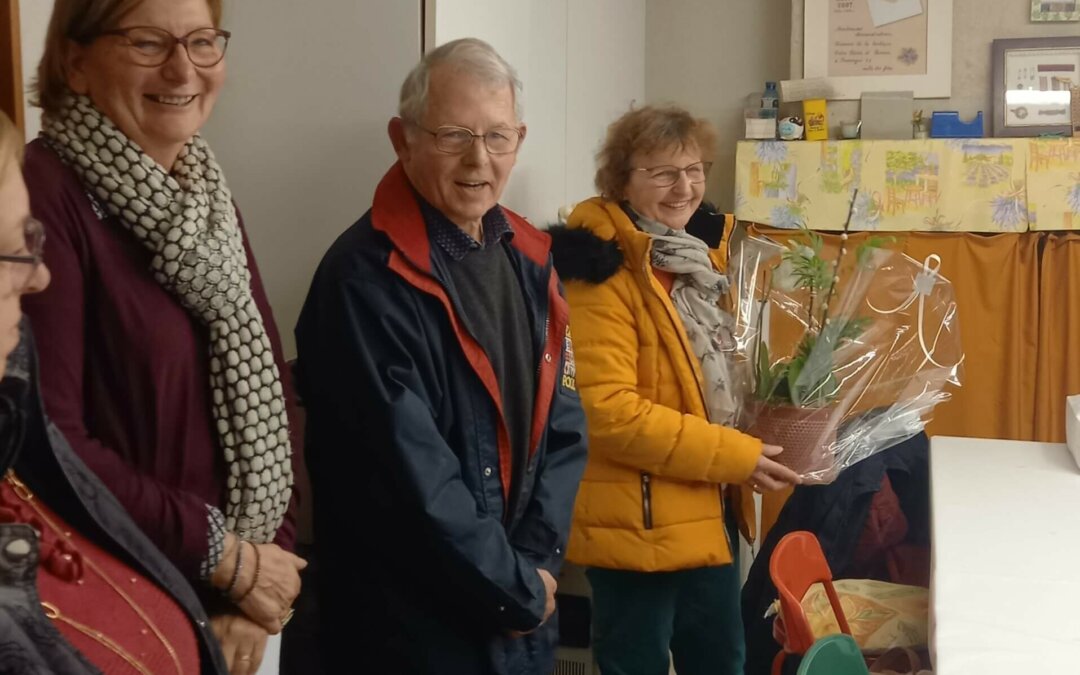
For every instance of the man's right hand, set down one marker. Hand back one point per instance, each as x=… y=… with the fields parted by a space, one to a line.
x=770 y=475
x=550 y=585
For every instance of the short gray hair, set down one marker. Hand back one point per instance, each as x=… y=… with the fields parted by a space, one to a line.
x=471 y=55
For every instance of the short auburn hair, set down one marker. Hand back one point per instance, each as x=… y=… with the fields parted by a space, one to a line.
x=646 y=130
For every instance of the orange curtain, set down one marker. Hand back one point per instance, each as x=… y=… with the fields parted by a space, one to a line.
x=996 y=282
x=1057 y=371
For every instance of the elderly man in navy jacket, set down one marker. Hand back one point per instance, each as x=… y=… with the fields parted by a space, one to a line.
x=445 y=436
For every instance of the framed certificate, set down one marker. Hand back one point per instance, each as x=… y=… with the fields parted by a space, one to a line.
x=879 y=45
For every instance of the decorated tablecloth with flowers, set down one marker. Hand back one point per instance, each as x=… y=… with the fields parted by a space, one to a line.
x=944 y=185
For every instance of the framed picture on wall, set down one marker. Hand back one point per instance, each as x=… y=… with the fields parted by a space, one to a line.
x=1057 y=10
x=879 y=45
x=1031 y=84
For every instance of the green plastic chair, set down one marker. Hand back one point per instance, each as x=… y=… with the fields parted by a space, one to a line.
x=833 y=655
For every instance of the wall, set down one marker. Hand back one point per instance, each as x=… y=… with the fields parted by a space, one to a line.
x=606 y=75
x=34 y=18
x=976 y=24
x=581 y=64
x=707 y=56
x=300 y=128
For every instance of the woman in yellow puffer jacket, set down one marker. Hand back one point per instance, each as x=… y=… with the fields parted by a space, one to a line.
x=649 y=332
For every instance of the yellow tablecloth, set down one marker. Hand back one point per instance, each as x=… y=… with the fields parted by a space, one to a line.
x=934 y=185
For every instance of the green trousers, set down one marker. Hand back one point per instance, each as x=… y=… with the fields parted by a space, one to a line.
x=641 y=617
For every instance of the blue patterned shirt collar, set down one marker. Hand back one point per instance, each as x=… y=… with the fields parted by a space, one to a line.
x=454 y=241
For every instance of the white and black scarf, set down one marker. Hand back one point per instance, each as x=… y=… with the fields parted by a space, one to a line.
x=188 y=221
x=697 y=294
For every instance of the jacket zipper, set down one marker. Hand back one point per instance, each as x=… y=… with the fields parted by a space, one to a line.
x=724 y=515
x=646 y=499
x=543 y=346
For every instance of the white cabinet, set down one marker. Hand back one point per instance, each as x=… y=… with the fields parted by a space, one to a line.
x=582 y=63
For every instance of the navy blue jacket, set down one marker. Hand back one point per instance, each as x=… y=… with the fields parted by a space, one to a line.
x=41 y=457
x=423 y=570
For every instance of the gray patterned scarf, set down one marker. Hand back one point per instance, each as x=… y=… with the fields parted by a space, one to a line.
x=188 y=221
x=697 y=294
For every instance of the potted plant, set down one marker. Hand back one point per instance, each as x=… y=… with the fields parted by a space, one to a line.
x=920 y=126
x=794 y=396
x=839 y=352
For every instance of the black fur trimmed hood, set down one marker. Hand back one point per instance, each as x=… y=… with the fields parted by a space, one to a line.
x=580 y=255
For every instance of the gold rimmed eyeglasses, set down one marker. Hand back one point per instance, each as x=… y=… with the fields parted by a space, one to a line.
x=666 y=175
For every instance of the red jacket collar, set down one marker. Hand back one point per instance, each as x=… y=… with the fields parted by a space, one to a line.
x=396 y=213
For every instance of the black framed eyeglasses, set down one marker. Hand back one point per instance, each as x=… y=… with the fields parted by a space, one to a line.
x=666 y=176
x=456 y=140
x=23 y=267
x=152 y=47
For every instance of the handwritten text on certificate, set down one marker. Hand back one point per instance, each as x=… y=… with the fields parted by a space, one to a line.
x=867 y=38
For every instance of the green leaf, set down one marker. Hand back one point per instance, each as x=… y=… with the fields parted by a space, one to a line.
x=805 y=346
x=793 y=374
x=853 y=328
x=865 y=252
x=818 y=368
x=764 y=372
x=781 y=387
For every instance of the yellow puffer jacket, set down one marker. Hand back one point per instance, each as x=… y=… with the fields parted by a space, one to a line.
x=650 y=499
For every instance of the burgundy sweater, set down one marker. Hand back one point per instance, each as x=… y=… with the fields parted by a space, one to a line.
x=125 y=368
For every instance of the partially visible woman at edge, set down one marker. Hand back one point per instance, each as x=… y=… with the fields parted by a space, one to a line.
x=82 y=590
x=160 y=360
x=646 y=307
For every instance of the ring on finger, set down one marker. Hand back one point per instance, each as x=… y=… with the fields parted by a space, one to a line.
x=288 y=616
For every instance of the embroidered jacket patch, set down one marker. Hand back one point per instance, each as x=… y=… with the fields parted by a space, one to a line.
x=569 y=373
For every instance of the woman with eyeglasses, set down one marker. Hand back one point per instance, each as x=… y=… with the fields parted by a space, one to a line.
x=651 y=522
x=161 y=361
x=82 y=589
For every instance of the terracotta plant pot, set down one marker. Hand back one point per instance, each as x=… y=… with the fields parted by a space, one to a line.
x=806 y=434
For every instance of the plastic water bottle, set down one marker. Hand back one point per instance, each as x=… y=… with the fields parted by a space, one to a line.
x=770 y=100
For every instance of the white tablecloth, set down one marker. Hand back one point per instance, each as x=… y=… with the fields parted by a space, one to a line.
x=1006 y=542
x=271 y=662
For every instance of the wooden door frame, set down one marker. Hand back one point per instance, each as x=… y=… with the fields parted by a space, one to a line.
x=11 y=81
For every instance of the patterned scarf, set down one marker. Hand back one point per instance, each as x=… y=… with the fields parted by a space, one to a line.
x=188 y=221
x=697 y=295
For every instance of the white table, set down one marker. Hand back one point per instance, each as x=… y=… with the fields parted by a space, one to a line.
x=271 y=662
x=1006 y=557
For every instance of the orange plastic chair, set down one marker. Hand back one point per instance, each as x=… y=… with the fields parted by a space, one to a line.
x=797 y=563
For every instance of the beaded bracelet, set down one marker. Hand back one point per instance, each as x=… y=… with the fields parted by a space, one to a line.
x=255 y=577
x=236 y=570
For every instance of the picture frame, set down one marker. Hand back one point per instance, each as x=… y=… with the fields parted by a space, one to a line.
x=1032 y=78
x=825 y=43
x=1055 y=10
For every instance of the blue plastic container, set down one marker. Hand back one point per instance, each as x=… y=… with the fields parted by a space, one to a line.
x=947 y=124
